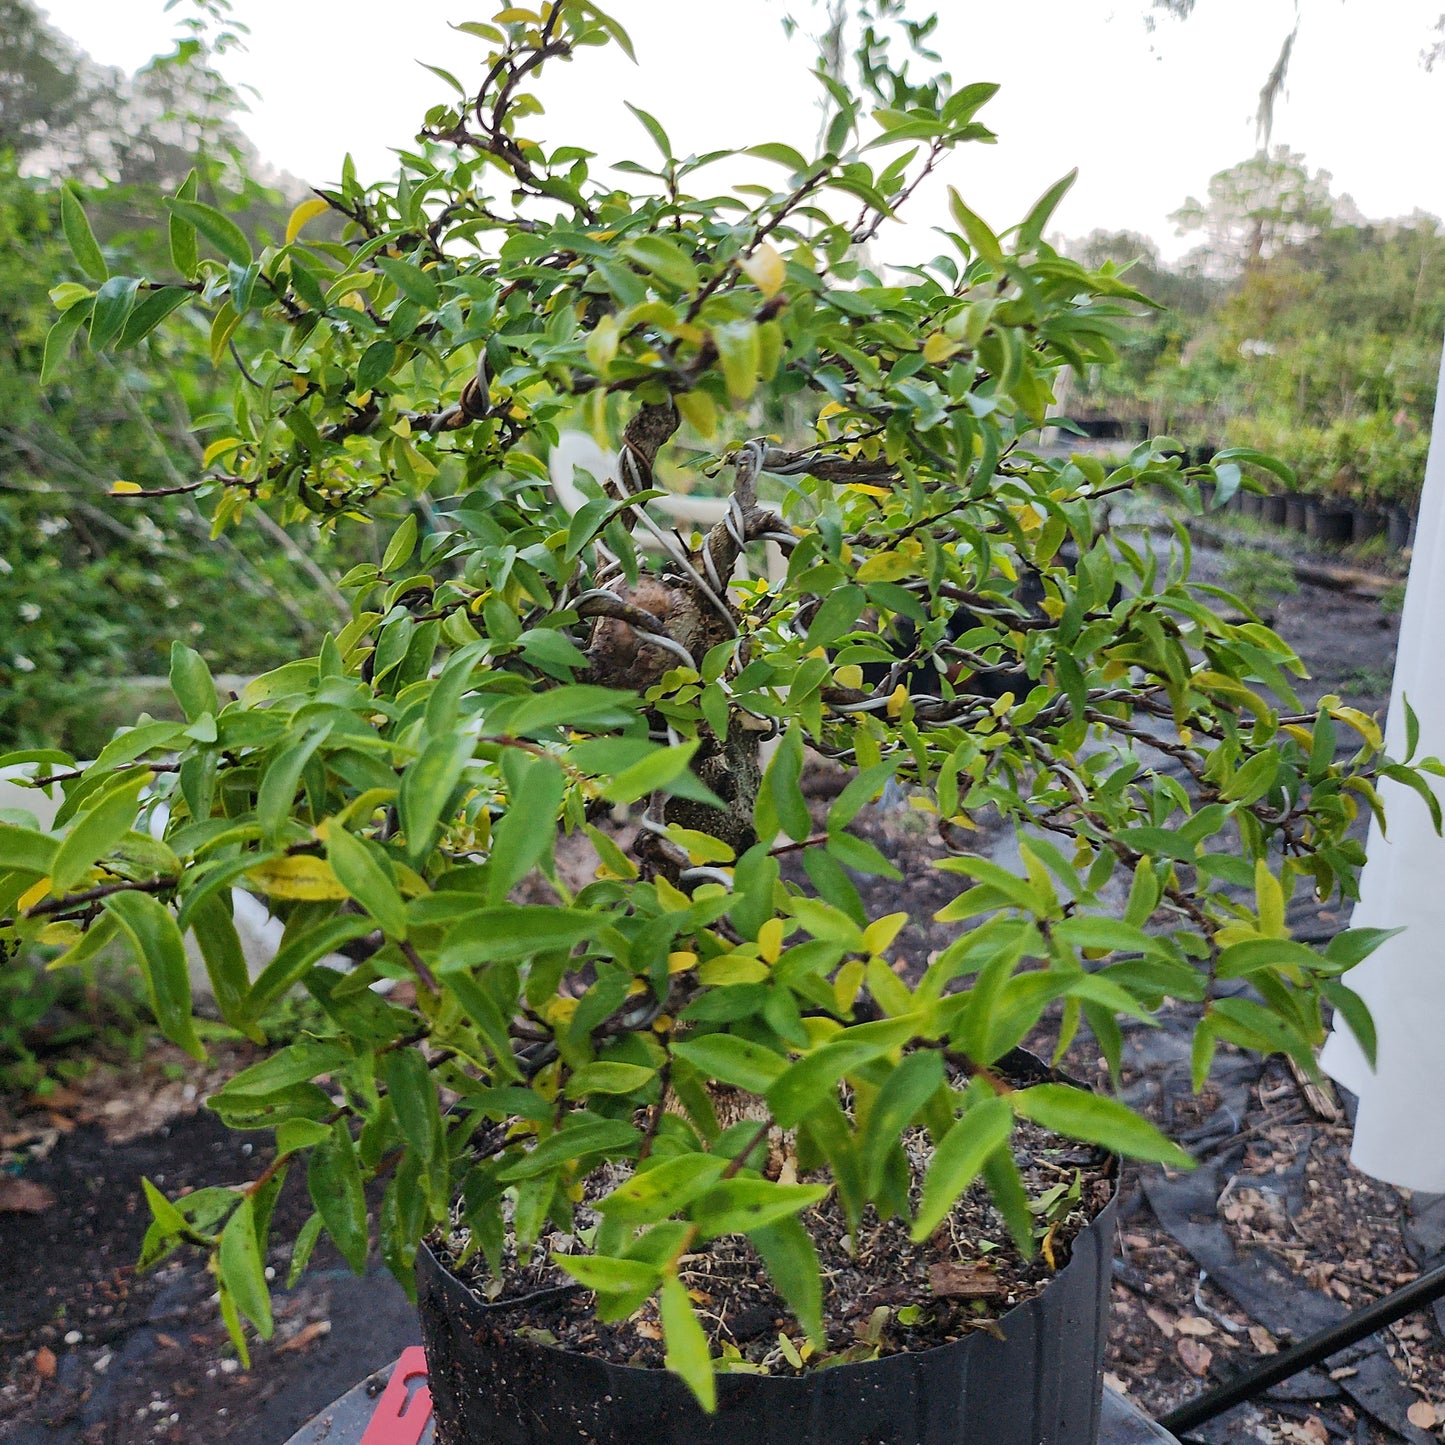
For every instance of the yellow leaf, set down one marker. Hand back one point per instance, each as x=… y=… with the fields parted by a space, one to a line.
x=559 y=1009
x=939 y=348
x=865 y=490
x=601 y=345
x=32 y=895
x=732 y=968
x=219 y=449
x=303 y=876
x=306 y=211
x=770 y=939
x=765 y=269
x=698 y=411
x=882 y=931
x=847 y=982
x=681 y=961
x=61 y=933
x=513 y=16
x=124 y=489
x=897 y=700
x=849 y=676
x=673 y=900
x=885 y=567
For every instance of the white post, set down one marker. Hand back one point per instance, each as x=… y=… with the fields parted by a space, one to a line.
x=1400 y=1128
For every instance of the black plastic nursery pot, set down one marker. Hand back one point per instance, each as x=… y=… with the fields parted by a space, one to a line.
x=1326 y=522
x=1038 y=1381
x=1275 y=510
x=1369 y=522
x=1399 y=528
x=1251 y=504
x=1039 y=1384
x=1296 y=513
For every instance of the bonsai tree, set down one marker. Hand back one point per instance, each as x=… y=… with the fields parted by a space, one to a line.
x=956 y=620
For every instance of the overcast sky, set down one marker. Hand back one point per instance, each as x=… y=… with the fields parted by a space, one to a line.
x=1147 y=118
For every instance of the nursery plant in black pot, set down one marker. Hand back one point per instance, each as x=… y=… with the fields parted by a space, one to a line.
x=686 y=1153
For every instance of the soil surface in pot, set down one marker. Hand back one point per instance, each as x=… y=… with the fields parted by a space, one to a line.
x=886 y=1295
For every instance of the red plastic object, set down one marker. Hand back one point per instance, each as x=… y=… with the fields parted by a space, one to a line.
x=404 y=1409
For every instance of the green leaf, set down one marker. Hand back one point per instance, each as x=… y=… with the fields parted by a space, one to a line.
x=983 y=240
x=147 y=314
x=297 y=957
x=413 y=1095
x=528 y=828
x=184 y=256
x=243 y=1271
x=220 y=946
x=814 y=1078
x=841 y=612
x=59 y=337
x=608 y=1275
x=1352 y=946
x=301 y=1250
x=908 y=1087
x=221 y=231
x=374 y=367
x=653 y=129
x=740 y=352
x=113 y=303
x=1031 y=232
x=582 y=1136
x=333 y=1179
x=513 y=932
x=608 y=1078
x=782 y=784
x=1253 y=780
x=95 y=833
x=732 y=1060
x=957 y=1160
x=663 y=1190
x=665 y=259
x=737 y=1206
x=191 y=682
x=23 y=850
x=686 y=1352
x=161 y=952
x=1240 y=959
x=277 y=793
x=363 y=876
x=80 y=238
x=657 y=770
x=1355 y=1012
x=413 y=283
x=783 y=155
x=792 y=1260
x=426 y=785
x=1078 y=1114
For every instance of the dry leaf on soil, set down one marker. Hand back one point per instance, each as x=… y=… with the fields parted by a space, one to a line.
x=45 y=1362
x=1423 y=1415
x=23 y=1196
x=1195 y=1357
x=1262 y=1340
x=963 y=1281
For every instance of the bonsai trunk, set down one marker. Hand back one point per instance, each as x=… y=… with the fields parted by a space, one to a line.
x=681 y=611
